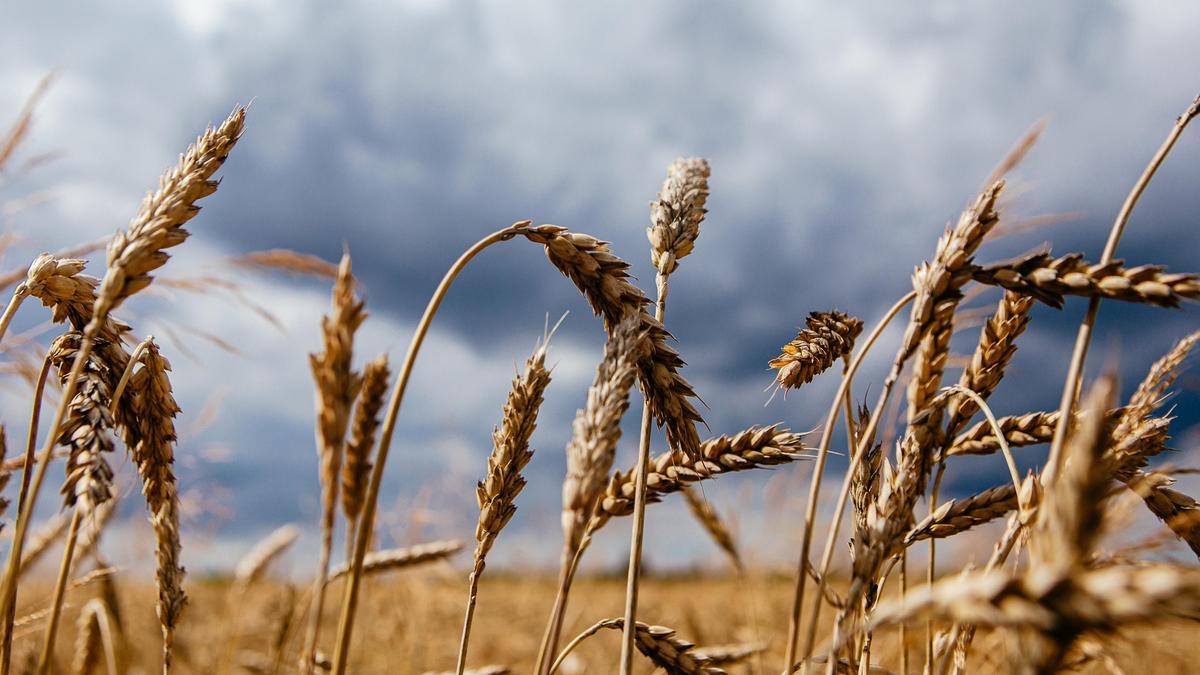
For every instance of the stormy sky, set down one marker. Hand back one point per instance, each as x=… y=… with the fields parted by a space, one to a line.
x=842 y=140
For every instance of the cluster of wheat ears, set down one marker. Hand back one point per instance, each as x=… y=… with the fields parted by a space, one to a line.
x=1053 y=605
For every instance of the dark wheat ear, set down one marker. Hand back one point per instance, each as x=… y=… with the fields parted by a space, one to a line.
x=829 y=337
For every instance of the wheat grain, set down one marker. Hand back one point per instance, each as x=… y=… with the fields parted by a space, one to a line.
x=997 y=344
x=156 y=408
x=504 y=481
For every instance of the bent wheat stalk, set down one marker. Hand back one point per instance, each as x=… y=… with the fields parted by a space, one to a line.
x=1083 y=338
x=366 y=521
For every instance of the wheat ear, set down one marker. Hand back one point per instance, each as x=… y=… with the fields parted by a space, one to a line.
x=398 y=558
x=498 y=491
x=131 y=256
x=95 y=640
x=1050 y=279
x=829 y=337
x=675 y=220
x=357 y=468
x=337 y=386
x=590 y=454
x=656 y=643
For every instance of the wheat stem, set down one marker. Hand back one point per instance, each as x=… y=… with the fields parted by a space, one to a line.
x=1082 y=339
x=629 y=630
x=9 y=588
x=341 y=654
x=60 y=588
x=9 y=609
x=19 y=295
x=815 y=485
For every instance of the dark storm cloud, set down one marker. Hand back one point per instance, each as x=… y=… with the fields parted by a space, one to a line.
x=842 y=141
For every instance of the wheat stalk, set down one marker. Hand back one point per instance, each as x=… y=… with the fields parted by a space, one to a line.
x=337 y=386
x=504 y=481
x=1071 y=385
x=675 y=223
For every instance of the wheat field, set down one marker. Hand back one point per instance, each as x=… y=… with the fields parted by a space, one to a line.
x=1049 y=592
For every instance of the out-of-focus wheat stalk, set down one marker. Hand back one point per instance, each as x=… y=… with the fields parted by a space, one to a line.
x=337 y=386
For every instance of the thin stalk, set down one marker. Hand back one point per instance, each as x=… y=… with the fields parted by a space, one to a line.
x=815 y=486
x=554 y=629
x=129 y=366
x=319 y=583
x=468 y=620
x=1075 y=372
x=8 y=589
x=19 y=295
x=629 y=630
x=60 y=588
x=341 y=654
x=566 y=576
x=931 y=570
x=575 y=643
x=903 y=631
x=30 y=446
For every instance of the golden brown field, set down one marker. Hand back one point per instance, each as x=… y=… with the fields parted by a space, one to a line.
x=707 y=610
x=1048 y=592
